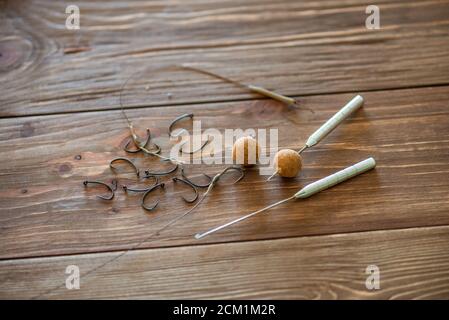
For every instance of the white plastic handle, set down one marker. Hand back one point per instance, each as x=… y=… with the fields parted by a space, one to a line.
x=336 y=178
x=336 y=119
x=307 y=191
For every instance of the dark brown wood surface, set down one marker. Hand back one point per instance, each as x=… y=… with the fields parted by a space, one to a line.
x=61 y=124
x=414 y=263
x=295 y=48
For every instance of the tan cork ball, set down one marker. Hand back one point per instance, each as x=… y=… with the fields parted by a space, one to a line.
x=287 y=163
x=245 y=151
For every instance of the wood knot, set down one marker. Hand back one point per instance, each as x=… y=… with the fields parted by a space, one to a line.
x=13 y=53
x=27 y=130
x=65 y=169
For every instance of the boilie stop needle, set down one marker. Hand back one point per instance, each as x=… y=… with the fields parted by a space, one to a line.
x=333 y=122
x=288 y=162
x=308 y=190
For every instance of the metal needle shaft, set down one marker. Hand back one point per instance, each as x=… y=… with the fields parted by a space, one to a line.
x=309 y=190
x=302 y=149
x=199 y=236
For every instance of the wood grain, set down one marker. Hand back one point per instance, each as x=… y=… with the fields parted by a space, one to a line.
x=296 y=48
x=413 y=264
x=45 y=210
x=60 y=124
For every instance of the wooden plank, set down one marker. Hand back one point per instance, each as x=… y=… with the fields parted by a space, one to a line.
x=45 y=210
x=413 y=264
x=294 y=47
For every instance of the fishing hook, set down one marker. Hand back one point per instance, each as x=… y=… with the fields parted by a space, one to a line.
x=218 y=176
x=127 y=161
x=110 y=197
x=194 y=183
x=162 y=173
x=175 y=179
x=147 y=141
x=156 y=152
x=177 y=119
x=212 y=184
x=162 y=185
x=156 y=181
x=134 y=136
x=199 y=149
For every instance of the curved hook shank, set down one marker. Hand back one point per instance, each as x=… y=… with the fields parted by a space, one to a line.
x=193 y=151
x=175 y=179
x=133 y=189
x=235 y=168
x=177 y=119
x=147 y=141
x=127 y=161
x=194 y=183
x=161 y=185
x=110 y=197
x=162 y=173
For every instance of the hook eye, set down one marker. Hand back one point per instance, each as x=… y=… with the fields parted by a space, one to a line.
x=151 y=208
x=175 y=179
x=109 y=197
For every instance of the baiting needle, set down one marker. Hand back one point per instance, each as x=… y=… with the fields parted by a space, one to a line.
x=333 y=122
x=330 y=125
x=308 y=190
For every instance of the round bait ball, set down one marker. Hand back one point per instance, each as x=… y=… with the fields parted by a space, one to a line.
x=245 y=151
x=287 y=163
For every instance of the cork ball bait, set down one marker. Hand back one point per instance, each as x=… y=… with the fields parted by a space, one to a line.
x=245 y=151
x=287 y=163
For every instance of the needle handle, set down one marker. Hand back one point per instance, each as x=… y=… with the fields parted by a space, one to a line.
x=336 y=178
x=336 y=119
x=307 y=191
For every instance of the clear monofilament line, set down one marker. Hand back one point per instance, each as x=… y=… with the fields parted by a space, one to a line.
x=211 y=185
x=201 y=235
x=187 y=212
x=162 y=157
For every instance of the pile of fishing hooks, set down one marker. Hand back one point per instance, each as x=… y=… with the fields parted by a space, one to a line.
x=148 y=147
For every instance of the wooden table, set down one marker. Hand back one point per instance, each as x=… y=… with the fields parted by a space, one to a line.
x=61 y=124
